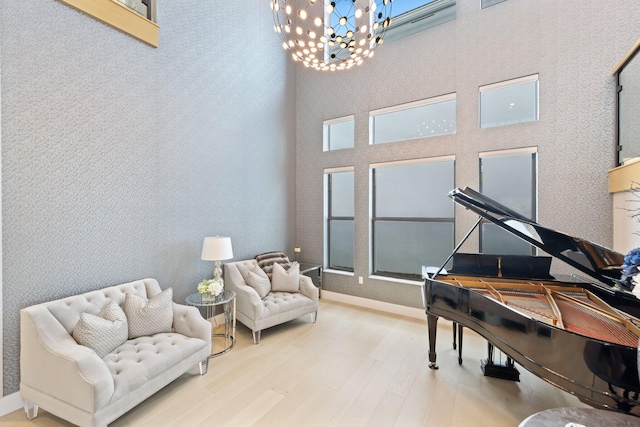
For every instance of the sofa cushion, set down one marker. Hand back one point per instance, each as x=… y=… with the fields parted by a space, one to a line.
x=266 y=261
x=141 y=359
x=285 y=281
x=279 y=304
x=149 y=317
x=260 y=283
x=103 y=332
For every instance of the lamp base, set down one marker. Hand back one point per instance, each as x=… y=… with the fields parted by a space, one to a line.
x=217 y=271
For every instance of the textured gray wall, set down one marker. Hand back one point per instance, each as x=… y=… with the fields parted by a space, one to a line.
x=119 y=158
x=572 y=44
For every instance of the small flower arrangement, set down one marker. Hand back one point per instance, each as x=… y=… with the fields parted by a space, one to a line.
x=211 y=286
x=630 y=268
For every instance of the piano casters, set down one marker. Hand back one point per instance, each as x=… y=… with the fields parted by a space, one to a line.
x=505 y=371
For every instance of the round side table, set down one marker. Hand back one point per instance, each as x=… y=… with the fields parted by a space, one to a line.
x=574 y=417
x=228 y=302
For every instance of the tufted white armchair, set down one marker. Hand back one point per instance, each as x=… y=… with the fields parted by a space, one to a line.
x=276 y=307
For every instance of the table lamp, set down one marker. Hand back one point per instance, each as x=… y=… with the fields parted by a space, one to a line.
x=217 y=249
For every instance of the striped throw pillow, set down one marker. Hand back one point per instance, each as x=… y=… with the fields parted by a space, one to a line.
x=266 y=260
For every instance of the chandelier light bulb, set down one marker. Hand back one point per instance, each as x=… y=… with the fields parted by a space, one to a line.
x=330 y=35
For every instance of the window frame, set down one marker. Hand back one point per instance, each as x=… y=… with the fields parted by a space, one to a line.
x=491 y=3
x=408 y=106
x=329 y=218
x=507 y=83
x=373 y=218
x=421 y=18
x=326 y=132
x=534 y=172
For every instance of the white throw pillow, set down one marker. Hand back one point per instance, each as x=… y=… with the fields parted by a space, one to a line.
x=103 y=332
x=285 y=281
x=149 y=317
x=260 y=283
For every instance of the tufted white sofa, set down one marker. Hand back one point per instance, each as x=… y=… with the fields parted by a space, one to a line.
x=74 y=383
x=277 y=307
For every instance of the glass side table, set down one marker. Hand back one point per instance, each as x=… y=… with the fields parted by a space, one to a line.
x=306 y=267
x=228 y=302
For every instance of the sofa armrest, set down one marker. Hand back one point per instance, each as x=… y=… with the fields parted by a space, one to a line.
x=189 y=322
x=52 y=362
x=308 y=289
x=248 y=301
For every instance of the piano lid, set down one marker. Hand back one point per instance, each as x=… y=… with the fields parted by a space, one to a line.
x=597 y=261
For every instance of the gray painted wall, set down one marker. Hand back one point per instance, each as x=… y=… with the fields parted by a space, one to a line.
x=572 y=44
x=119 y=158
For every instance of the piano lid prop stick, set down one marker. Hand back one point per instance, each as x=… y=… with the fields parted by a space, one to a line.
x=464 y=239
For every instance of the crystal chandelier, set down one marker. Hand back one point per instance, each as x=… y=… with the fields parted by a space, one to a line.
x=331 y=35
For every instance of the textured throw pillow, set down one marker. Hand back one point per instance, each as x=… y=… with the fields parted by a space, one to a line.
x=266 y=261
x=149 y=317
x=285 y=281
x=260 y=283
x=103 y=332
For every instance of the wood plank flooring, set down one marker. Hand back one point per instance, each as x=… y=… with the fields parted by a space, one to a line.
x=354 y=367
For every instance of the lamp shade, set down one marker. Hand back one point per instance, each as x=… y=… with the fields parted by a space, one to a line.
x=216 y=248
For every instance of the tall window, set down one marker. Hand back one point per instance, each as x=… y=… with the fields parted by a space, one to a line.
x=509 y=102
x=509 y=177
x=338 y=133
x=412 y=221
x=419 y=119
x=339 y=230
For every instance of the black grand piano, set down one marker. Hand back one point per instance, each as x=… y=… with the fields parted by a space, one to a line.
x=579 y=334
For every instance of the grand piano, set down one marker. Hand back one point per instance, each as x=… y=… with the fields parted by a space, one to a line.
x=579 y=334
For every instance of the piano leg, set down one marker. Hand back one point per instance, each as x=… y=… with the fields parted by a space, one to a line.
x=454 y=334
x=433 y=326
x=459 y=343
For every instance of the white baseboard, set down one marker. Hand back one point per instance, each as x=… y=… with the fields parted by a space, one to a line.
x=9 y=403
x=416 y=313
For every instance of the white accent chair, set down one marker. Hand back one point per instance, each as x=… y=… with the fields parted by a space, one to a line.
x=276 y=307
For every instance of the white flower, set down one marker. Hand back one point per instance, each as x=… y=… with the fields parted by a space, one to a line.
x=215 y=287
x=211 y=286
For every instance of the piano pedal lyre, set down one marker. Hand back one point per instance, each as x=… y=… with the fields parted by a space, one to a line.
x=504 y=371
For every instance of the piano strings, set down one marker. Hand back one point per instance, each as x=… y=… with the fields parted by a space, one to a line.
x=569 y=308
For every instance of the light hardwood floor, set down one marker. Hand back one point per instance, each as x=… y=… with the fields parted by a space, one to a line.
x=354 y=367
